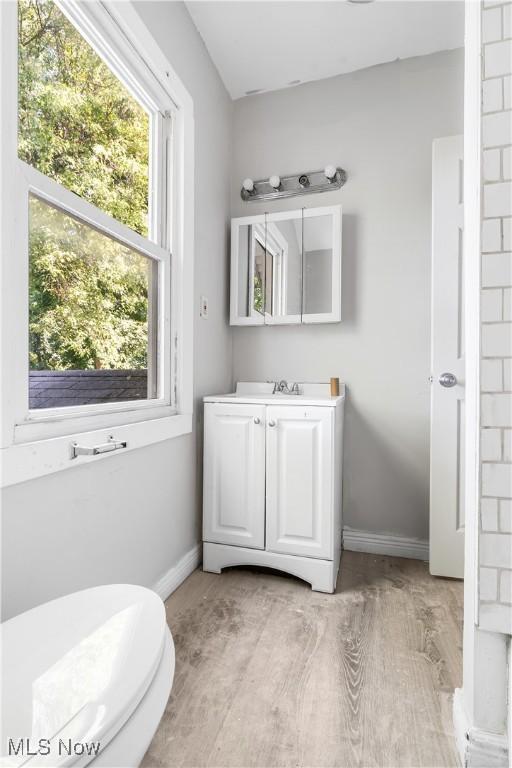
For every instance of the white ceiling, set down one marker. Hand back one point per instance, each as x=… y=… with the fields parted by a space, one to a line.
x=267 y=44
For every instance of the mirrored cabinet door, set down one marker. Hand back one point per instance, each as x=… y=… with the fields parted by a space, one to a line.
x=248 y=271
x=286 y=267
x=283 y=276
x=321 y=265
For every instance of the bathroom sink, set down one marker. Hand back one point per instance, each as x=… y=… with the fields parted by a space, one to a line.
x=311 y=393
x=270 y=396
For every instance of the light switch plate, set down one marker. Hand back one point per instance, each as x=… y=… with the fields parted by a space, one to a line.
x=204 y=307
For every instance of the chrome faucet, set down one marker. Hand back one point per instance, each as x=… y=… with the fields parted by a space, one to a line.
x=285 y=389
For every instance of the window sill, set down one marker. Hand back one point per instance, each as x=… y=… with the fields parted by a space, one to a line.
x=44 y=425
x=29 y=460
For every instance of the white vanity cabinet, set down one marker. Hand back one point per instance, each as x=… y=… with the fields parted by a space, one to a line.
x=272 y=484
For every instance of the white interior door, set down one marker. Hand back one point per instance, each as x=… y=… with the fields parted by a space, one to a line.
x=299 y=480
x=234 y=474
x=447 y=367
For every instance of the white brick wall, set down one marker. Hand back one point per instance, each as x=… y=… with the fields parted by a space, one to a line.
x=495 y=541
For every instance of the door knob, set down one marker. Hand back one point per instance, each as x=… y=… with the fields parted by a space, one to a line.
x=447 y=380
x=256 y=420
x=271 y=423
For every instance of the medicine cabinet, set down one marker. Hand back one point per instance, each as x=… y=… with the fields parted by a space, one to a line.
x=286 y=267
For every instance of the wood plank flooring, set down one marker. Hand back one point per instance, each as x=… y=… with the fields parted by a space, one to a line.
x=272 y=675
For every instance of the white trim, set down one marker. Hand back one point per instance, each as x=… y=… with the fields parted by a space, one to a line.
x=460 y=723
x=66 y=201
x=63 y=425
x=477 y=747
x=143 y=43
x=97 y=26
x=26 y=461
x=471 y=245
x=176 y=575
x=182 y=194
x=384 y=544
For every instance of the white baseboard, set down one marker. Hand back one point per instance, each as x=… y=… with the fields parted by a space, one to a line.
x=171 y=580
x=460 y=724
x=477 y=748
x=384 y=544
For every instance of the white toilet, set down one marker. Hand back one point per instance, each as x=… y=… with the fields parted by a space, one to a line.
x=94 y=666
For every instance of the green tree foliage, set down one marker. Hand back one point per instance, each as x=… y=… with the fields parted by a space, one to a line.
x=88 y=303
x=88 y=296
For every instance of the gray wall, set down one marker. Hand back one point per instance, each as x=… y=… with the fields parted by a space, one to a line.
x=131 y=518
x=378 y=124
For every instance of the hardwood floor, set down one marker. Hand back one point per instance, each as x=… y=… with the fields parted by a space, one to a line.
x=270 y=674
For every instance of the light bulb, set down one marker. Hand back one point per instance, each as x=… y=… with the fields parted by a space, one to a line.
x=275 y=182
x=330 y=172
x=248 y=185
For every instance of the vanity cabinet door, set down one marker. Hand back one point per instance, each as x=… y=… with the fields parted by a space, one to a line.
x=299 y=480
x=234 y=474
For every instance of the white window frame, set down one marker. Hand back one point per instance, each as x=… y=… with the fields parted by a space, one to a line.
x=278 y=247
x=271 y=240
x=280 y=274
x=38 y=442
x=257 y=236
x=235 y=318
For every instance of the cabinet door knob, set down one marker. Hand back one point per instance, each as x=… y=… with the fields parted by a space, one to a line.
x=256 y=420
x=271 y=423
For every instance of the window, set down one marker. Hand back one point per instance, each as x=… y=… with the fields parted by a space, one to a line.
x=97 y=162
x=77 y=122
x=90 y=310
x=90 y=298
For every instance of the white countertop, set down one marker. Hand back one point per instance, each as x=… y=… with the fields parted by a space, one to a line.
x=310 y=394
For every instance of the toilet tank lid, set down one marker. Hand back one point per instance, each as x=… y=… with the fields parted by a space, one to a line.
x=74 y=670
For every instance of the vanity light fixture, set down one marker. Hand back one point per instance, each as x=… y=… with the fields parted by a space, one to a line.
x=330 y=172
x=329 y=178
